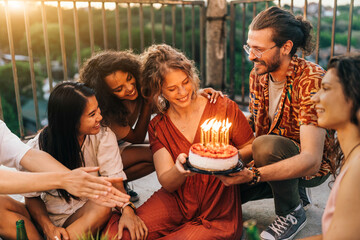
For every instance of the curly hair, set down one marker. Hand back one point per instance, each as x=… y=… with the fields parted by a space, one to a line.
x=156 y=61
x=93 y=74
x=286 y=26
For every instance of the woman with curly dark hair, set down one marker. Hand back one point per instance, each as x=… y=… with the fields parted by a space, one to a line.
x=115 y=76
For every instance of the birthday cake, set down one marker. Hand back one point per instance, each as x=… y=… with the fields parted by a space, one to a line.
x=213 y=157
x=214 y=153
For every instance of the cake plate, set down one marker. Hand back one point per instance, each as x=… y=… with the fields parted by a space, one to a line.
x=238 y=168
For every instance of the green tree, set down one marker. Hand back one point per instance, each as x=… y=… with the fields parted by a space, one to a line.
x=7 y=90
x=10 y=117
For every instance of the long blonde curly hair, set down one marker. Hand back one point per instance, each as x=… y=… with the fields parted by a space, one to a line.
x=157 y=61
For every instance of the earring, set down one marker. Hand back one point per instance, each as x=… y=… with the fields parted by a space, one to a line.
x=162 y=102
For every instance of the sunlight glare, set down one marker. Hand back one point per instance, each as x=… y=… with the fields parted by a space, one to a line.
x=16 y=5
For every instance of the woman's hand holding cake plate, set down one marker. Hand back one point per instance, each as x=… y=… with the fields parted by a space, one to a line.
x=180 y=161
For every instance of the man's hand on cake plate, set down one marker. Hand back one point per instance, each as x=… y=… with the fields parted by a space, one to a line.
x=244 y=176
x=180 y=160
x=211 y=94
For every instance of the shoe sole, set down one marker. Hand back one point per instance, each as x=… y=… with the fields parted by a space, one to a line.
x=299 y=229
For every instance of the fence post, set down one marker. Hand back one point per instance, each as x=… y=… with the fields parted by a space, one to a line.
x=216 y=43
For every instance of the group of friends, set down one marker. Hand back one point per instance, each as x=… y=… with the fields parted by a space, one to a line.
x=74 y=172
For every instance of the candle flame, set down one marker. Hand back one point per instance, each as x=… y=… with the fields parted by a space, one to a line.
x=215 y=131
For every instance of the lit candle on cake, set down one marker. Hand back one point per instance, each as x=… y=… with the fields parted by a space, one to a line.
x=203 y=133
x=215 y=129
x=222 y=133
x=215 y=132
x=206 y=130
x=227 y=128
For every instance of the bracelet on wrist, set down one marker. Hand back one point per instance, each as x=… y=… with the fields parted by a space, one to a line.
x=130 y=204
x=256 y=176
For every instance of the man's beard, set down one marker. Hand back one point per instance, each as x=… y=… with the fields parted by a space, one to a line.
x=270 y=67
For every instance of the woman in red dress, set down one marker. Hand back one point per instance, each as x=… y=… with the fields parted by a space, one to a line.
x=189 y=205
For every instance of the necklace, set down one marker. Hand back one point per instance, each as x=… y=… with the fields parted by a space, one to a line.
x=351 y=151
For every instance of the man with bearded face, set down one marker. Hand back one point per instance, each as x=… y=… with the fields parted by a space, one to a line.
x=288 y=151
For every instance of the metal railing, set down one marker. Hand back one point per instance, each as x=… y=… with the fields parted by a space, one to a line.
x=131 y=5
x=149 y=15
x=254 y=3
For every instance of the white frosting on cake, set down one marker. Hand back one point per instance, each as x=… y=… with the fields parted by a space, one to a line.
x=212 y=164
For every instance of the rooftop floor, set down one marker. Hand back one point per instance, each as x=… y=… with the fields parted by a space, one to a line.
x=261 y=210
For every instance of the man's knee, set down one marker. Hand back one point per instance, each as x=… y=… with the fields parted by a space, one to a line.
x=268 y=149
x=263 y=149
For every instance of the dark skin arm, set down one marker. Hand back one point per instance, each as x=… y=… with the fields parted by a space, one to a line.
x=137 y=134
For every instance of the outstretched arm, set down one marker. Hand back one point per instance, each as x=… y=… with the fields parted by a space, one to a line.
x=77 y=182
x=13 y=182
x=306 y=163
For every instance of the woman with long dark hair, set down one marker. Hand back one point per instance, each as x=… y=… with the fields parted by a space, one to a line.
x=338 y=105
x=75 y=138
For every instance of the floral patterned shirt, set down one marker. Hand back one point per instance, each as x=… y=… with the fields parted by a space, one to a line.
x=303 y=79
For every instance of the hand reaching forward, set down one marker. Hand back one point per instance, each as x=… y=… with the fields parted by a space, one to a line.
x=80 y=183
x=133 y=223
x=244 y=176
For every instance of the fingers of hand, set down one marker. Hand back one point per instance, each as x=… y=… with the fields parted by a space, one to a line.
x=89 y=169
x=120 y=229
x=104 y=202
x=182 y=158
x=146 y=230
x=118 y=194
x=114 y=180
x=139 y=228
x=180 y=167
x=250 y=164
x=104 y=182
x=64 y=234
